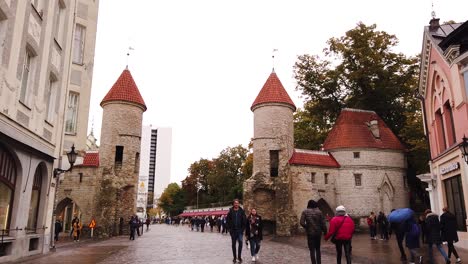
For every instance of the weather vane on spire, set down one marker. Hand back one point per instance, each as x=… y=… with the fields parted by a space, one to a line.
x=128 y=54
x=92 y=127
x=433 y=14
x=273 y=58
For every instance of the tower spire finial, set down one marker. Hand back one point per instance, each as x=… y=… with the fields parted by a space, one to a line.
x=273 y=58
x=128 y=55
x=433 y=13
x=92 y=127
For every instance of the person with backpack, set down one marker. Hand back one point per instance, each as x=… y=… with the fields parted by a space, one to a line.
x=313 y=221
x=448 y=226
x=341 y=232
x=433 y=236
x=372 y=223
x=399 y=230
x=413 y=232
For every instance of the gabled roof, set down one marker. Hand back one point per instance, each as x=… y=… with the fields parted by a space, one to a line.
x=125 y=89
x=91 y=159
x=351 y=130
x=273 y=92
x=313 y=158
x=459 y=34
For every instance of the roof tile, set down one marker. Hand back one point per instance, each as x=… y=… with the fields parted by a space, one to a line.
x=125 y=89
x=91 y=159
x=313 y=158
x=273 y=92
x=351 y=131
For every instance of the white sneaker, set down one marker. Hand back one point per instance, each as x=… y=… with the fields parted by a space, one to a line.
x=458 y=260
x=256 y=256
x=253 y=259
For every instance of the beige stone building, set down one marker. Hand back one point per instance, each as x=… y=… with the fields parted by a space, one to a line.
x=362 y=165
x=38 y=39
x=104 y=187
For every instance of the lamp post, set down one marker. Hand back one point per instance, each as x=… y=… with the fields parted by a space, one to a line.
x=464 y=148
x=57 y=171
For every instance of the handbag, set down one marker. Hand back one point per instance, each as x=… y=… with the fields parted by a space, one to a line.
x=333 y=239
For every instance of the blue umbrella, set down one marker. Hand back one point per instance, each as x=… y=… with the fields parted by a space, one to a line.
x=400 y=215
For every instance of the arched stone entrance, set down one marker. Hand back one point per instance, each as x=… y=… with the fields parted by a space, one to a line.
x=325 y=207
x=66 y=210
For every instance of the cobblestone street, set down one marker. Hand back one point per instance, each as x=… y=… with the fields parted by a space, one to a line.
x=173 y=245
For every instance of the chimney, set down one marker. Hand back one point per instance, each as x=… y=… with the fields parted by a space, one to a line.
x=434 y=24
x=374 y=128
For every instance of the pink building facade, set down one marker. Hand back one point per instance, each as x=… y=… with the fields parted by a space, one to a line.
x=443 y=89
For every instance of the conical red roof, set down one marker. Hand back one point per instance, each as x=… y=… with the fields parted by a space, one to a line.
x=125 y=89
x=273 y=92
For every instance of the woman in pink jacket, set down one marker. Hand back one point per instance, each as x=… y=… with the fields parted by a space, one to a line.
x=342 y=229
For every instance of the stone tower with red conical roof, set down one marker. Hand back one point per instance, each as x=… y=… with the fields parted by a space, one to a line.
x=123 y=108
x=269 y=188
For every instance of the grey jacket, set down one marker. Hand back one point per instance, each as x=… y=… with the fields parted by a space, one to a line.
x=313 y=222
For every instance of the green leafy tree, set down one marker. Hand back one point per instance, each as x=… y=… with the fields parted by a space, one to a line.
x=172 y=200
x=361 y=70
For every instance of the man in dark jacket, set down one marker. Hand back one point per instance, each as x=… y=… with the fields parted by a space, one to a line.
x=236 y=222
x=399 y=229
x=433 y=235
x=58 y=229
x=313 y=221
x=448 y=227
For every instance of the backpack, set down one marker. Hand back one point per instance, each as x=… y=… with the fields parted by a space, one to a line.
x=369 y=221
x=414 y=230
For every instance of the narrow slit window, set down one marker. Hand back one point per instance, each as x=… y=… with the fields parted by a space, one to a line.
x=119 y=155
x=325 y=178
x=274 y=163
x=358 y=179
x=312 y=177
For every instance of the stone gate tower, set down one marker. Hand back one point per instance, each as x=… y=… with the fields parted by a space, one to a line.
x=123 y=109
x=269 y=188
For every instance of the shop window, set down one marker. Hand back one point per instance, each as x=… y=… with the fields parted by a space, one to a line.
x=274 y=163
x=7 y=187
x=35 y=201
x=455 y=200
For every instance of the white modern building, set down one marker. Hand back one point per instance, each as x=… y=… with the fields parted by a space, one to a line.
x=155 y=163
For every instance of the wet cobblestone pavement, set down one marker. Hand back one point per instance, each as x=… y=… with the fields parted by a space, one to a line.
x=175 y=245
x=178 y=245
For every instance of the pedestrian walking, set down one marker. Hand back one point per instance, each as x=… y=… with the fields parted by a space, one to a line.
x=448 y=227
x=133 y=224
x=57 y=229
x=313 y=221
x=219 y=222
x=382 y=221
x=399 y=229
x=202 y=223
x=341 y=232
x=372 y=223
x=413 y=231
x=236 y=223
x=422 y=225
x=148 y=221
x=212 y=223
x=433 y=236
x=254 y=233
x=77 y=230
x=224 y=225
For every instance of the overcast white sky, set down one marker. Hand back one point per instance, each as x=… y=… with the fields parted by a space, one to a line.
x=200 y=64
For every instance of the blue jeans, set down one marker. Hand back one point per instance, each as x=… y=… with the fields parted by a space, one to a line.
x=236 y=236
x=254 y=246
x=441 y=250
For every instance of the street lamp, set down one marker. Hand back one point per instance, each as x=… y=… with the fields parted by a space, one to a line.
x=71 y=159
x=464 y=148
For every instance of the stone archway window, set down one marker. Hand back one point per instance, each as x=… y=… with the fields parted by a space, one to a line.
x=7 y=187
x=35 y=200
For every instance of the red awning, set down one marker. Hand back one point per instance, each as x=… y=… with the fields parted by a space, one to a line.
x=204 y=213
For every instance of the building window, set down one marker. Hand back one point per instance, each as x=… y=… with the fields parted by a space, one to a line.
x=465 y=77
x=27 y=76
x=356 y=155
x=35 y=200
x=72 y=113
x=274 y=162
x=455 y=200
x=449 y=127
x=59 y=22
x=7 y=187
x=78 y=44
x=325 y=178
x=312 y=177
x=440 y=131
x=358 y=179
x=3 y=30
x=50 y=94
x=118 y=155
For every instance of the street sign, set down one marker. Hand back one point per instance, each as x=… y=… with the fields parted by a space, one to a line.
x=92 y=224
